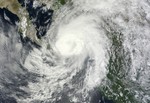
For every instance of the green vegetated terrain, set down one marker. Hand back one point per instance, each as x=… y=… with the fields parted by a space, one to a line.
x=117 y=88
x=62 y=1
x=58 y=3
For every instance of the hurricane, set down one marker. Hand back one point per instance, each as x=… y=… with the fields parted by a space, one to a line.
x=77 y=58
x=95 y=51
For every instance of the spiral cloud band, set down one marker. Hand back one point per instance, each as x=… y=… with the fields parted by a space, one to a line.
x=80 y=39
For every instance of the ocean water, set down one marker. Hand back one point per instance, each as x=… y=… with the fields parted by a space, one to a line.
x=94 y=52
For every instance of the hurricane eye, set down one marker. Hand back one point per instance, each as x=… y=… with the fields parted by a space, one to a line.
x=69 y=45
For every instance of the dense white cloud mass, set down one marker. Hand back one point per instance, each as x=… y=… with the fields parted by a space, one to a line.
x=78 y=47
x=77 y=60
